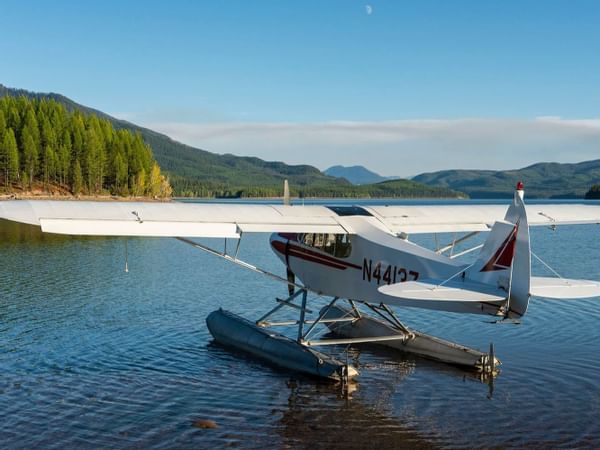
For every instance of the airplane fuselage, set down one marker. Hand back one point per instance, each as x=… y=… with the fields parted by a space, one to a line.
x=354 y=266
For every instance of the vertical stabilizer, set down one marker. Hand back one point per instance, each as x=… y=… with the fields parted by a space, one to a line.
x=505 y=259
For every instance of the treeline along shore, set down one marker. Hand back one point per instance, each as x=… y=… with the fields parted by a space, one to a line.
x=46 y=148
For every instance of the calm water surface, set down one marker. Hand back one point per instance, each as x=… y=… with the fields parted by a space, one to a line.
x=93 y=357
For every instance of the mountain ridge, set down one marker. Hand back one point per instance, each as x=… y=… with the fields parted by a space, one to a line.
x=542 y=180
x=357 y=175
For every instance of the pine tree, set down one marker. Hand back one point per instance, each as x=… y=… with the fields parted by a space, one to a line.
x=77 y=184
x=4 y=155
x=77 y=131
x=14 y=118
x=166 y=190
x=47 y=143
x=140 y=183
x=64 y=157
x=49 y=164
x=30 y=157
x=91 y=154
x=31 y=125
x=154 y=183
x=120 y=174
x=13 y=160
x=2 y=125
x=9 y=157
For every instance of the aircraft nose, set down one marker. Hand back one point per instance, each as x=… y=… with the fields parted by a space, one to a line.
x=273 y=239
x=282 y=237
x=279 y=242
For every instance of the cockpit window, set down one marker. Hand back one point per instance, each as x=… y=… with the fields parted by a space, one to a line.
x=337 y=245
x=343 y=247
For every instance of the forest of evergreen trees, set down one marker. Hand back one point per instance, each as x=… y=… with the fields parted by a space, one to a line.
x=593 y=193
x=44 y=146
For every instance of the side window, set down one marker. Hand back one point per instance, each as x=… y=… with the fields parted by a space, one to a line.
x=318 y=241
x=343 y=248
x=329 y=243
x=337 y=245
x=308 y=239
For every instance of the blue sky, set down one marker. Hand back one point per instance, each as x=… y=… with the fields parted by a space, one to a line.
x=401 y=87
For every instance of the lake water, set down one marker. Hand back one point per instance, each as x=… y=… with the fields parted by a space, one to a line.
x=93 y=357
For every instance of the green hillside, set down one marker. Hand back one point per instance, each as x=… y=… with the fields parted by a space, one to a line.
x=196 y=172
x=408 y=188
x=542 y=180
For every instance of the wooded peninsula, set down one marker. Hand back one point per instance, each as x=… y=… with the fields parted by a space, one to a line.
x=45 y=147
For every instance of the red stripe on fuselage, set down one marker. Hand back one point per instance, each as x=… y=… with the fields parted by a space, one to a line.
x=310 y=255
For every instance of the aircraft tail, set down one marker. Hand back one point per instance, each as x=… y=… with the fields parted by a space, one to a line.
x=505 y=259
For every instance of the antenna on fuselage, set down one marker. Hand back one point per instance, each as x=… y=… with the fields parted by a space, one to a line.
x=286 y=192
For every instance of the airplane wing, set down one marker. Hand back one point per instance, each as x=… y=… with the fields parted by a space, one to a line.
x=168 y=219
x=414 y=219
x=171 y=219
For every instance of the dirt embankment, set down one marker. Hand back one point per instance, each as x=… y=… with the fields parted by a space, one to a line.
x=63 y=194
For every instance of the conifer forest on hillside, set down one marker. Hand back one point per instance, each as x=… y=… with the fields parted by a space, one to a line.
x=43 y=146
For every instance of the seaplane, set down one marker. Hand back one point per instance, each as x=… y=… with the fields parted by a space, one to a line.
x=361 y=258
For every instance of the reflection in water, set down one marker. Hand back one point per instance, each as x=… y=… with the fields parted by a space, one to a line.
x=316 y=417
x=17 y=233
x=321 y=414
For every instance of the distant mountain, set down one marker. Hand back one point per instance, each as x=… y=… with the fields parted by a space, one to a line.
x=196 y=172
x=356 y=174
x=542 y=180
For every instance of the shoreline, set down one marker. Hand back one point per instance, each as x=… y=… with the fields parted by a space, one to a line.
x=96 y=198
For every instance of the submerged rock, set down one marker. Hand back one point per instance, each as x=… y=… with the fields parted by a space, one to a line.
x=205 y=423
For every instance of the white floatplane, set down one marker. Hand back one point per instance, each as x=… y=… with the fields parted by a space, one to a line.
x=360 y=255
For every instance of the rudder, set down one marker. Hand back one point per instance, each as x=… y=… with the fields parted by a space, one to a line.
x=505 y=259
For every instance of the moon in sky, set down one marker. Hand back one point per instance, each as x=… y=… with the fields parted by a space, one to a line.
x=369 y=9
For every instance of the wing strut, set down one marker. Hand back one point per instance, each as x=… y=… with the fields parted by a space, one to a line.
x=244 y=264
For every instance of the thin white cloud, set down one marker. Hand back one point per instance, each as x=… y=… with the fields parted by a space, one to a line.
x=400 y=147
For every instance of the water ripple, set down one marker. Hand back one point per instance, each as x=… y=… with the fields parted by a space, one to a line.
x=93 y=357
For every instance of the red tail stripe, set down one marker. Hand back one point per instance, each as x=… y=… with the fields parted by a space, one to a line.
x=503 y=257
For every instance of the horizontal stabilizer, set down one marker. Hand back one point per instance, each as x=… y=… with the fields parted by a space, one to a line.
x=451 y=291
x=563 y=288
